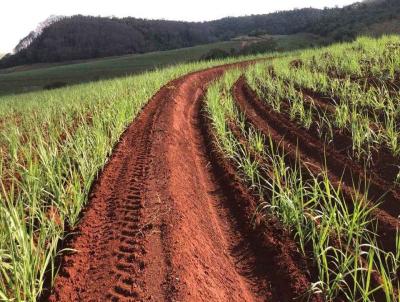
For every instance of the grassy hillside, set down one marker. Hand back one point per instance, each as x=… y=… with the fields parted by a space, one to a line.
x=36 y=77
x=286 y=42
x=298 y=41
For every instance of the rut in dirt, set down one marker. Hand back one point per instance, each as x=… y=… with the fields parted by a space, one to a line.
x=160 y=226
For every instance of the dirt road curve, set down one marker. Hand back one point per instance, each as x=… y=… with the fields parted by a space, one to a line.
x=159 y=226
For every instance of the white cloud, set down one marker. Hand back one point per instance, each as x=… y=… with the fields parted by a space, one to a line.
x=19 y=17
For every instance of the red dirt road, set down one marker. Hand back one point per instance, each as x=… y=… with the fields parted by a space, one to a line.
x=159 y=226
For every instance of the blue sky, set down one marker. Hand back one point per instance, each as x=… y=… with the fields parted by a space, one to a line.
x=19 y=17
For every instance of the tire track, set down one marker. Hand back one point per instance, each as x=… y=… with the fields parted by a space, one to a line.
x=211 y=261
x=111 y=240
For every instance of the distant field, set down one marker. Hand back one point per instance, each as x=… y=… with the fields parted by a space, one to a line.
x=35 y=77
x=298 y=41
x=289 y=42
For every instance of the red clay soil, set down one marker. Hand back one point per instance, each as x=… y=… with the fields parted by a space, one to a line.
x=314 y=154
x=162 y=225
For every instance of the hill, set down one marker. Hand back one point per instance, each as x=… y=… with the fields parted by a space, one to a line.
x=83 y=37
x=44 y=76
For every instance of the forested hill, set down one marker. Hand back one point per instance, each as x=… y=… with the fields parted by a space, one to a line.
x=83 y=37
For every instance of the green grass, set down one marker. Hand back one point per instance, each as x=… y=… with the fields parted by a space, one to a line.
x=31 y=78
x=339 y=239
x=341 y=73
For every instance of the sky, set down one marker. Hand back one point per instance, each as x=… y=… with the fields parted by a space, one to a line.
x=19 y=17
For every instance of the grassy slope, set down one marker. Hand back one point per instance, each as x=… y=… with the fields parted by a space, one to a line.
x=288 y=42
x=35 y=77
x=298 y=41
x=31 y=78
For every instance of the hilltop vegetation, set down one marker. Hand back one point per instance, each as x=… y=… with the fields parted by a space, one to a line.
x=83 y=37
